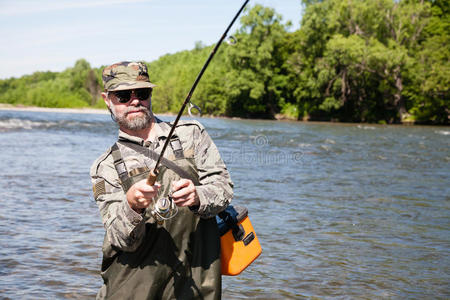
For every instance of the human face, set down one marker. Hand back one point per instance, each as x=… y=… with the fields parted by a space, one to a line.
x=130 y=108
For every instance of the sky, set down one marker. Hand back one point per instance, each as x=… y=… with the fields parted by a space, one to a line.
x=49 y=35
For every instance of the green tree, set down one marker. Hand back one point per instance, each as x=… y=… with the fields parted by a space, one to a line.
x=174 y=74
x=50 y=89
x=430 y=79
x=257 y=78
x=349 y=49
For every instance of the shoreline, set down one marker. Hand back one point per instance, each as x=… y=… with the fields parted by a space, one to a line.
x=81 y=110
x=87 y=110
x=4 y=106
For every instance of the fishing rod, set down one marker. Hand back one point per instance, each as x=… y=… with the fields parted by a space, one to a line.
x=151 y=179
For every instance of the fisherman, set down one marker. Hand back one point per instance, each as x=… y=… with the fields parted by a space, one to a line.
x=143 y=258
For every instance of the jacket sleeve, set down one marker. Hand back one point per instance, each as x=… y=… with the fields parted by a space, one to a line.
x=216 y=188
x=125 y=228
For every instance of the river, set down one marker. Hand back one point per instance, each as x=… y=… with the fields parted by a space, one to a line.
x=344 y=211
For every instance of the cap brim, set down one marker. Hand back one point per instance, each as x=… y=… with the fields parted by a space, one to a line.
x=132 y=85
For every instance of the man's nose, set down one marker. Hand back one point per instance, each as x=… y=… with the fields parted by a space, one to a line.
x=133 y=98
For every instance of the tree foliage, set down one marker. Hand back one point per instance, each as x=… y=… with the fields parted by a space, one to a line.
x=257 y=77
x=360 y=61
x=351 y=60
x=74 y=87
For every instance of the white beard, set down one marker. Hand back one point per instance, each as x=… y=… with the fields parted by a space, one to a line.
x=138 y=122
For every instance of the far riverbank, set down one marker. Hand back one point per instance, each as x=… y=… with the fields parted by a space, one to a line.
x=87 y=110
x=81 y=110
x=4 y=106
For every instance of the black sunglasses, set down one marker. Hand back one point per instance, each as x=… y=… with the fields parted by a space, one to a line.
x=125 y=95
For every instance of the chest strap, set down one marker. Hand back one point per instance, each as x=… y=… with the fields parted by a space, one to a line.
x=121 y=168
x=175 y=143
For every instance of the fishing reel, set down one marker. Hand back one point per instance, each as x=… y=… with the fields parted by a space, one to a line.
x=164 y=209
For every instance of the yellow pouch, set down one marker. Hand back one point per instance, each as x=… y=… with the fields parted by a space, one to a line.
x=239 y=245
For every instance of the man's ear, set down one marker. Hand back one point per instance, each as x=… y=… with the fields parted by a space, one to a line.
x=106 y=99
x=108 y=104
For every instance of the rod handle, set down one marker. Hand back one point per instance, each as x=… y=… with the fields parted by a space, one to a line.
x=151 y=179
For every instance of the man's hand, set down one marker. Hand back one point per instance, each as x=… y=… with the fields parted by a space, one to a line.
x=140 y=195
x=184 y=193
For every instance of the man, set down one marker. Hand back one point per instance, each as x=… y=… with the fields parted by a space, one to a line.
x=179 y=256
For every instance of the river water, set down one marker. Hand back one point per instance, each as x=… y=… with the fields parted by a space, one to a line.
x=341 y=210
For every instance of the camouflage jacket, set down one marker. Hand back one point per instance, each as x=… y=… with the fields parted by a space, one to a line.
x=125 y=228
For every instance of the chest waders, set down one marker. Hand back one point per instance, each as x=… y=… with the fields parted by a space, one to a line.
x=179 y=259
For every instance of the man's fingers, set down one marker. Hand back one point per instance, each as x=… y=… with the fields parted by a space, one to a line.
x=184 y=201
x=179 y=184
x=143 y=203
x=182 y=187
x=144 y=187
x=143 y=190
x=141 y=194
x=183 y=192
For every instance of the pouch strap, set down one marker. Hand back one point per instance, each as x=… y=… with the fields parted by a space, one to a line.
x=229 y=216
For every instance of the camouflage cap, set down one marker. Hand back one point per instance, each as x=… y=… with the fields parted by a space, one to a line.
x=126 y=75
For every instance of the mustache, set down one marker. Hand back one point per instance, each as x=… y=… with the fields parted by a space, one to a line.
x=138 y=108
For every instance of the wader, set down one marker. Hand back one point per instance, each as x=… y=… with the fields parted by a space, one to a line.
x=179 y=259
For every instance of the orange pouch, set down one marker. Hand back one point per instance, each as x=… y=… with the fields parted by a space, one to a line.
x=239 y=245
